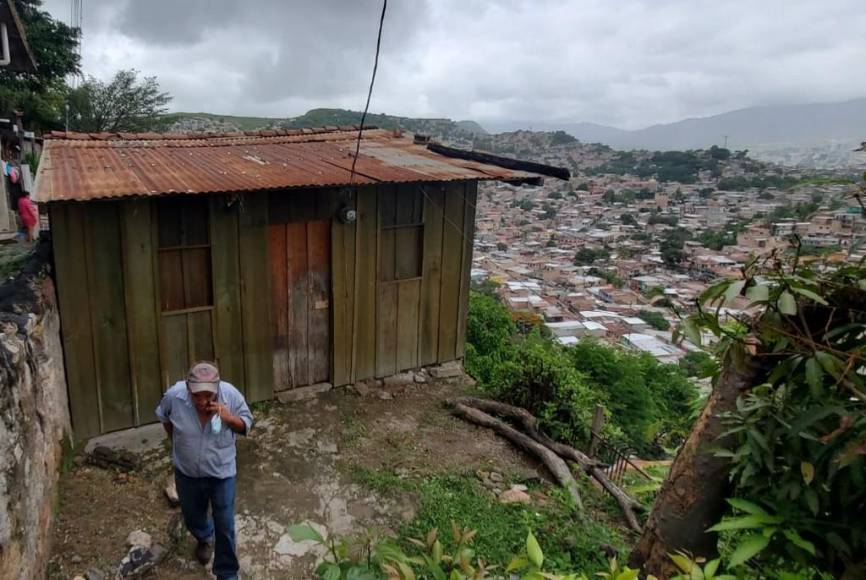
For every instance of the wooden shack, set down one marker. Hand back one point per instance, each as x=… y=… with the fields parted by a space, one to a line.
x=261 y=251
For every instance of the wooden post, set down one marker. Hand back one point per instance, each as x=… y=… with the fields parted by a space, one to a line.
x=597 y=425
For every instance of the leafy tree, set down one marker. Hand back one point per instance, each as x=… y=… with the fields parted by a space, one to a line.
x=698 y=363
x=550 y=211
x=721 y=153
x=584 y=186
x=657 y=218
x=524 y=204
x=609 y=277
x=562 y=138
x=654 y=319
x=625 y=197
x=624 y=253
x=648 y=401
x=548 y=386
x=123 y=104
x=502 y=246
x=489 y=349
x=587 y=256
x=40 y=94
x=554 y=195
x=672 y=245
x=717 y=239
x=800 y=211
x=787 y=418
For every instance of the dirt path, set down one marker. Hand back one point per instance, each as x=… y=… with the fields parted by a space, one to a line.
x=297 y=466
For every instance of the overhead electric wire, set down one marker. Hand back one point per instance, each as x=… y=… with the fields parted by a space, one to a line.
x=354 y=356
x=369 y=92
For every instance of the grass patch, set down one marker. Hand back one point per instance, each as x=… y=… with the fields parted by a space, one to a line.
x=568 y=541
x=261 y=407
x=68 y=451
x=12 y=265
x=354 y=430
x=382 y=482
x=643 y=490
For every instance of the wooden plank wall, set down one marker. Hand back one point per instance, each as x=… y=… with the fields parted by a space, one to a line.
x=469 y=204
x=366 y=312
x=228 y=324
x=343 y=296
x=255 y=292
x=384 y=327
x=142 y=311
x=118 y=348
x=120 y=352
x=67 y=233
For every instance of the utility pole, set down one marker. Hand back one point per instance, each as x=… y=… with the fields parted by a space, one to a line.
x=726 y=141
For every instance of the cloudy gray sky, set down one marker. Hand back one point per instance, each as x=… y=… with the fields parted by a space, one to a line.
x=628 y=63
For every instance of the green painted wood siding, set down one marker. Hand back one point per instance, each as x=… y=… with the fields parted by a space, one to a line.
x=122 y=352
x=383 y=326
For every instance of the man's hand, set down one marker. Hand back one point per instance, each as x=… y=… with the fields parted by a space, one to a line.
x=235 y=423
x=218 y=408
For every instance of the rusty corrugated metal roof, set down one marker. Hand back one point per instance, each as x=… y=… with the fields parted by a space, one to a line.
x=83 y=166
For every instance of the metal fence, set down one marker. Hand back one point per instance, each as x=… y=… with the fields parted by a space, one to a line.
x=616 y=460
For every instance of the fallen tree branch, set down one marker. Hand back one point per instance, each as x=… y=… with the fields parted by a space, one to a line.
x=529 y=424
x=551 y=460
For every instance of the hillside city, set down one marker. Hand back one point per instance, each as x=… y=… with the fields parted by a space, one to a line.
x=627 y=242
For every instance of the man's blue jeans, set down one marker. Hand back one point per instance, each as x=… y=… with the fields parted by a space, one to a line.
x=196 y=494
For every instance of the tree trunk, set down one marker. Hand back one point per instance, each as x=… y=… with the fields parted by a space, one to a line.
x=692 y=497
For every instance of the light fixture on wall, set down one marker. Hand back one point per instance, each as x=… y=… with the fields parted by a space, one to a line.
x=347 y=215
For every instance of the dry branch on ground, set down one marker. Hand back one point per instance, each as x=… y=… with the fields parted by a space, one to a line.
x=552 y=453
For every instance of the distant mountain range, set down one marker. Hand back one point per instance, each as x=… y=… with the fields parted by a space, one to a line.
x=817 y=134
x=764 y=125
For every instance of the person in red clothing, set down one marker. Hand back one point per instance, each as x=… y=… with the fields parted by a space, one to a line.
x=29 y=214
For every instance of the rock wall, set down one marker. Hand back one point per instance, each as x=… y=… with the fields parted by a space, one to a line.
x=34 y=417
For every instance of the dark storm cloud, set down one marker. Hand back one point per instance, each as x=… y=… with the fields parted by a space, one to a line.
x=311 y=49
x=628 y=63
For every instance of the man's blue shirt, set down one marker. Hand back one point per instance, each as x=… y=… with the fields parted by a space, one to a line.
x=197 y=451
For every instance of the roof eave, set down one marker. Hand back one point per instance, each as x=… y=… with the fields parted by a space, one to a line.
x=19 y=26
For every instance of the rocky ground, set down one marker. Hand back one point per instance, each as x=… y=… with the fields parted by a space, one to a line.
x=298 y=465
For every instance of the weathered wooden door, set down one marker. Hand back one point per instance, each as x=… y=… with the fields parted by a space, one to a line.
x=300 y=285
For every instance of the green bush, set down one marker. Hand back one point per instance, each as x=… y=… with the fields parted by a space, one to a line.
x=545 y=383
x=489 y=346
x=698 y=363
x=655 y=319
x=649 y=402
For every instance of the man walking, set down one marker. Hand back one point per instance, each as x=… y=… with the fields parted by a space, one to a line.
x=202 y=416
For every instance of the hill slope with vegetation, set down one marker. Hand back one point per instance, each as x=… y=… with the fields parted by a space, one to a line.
x=440 y=128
